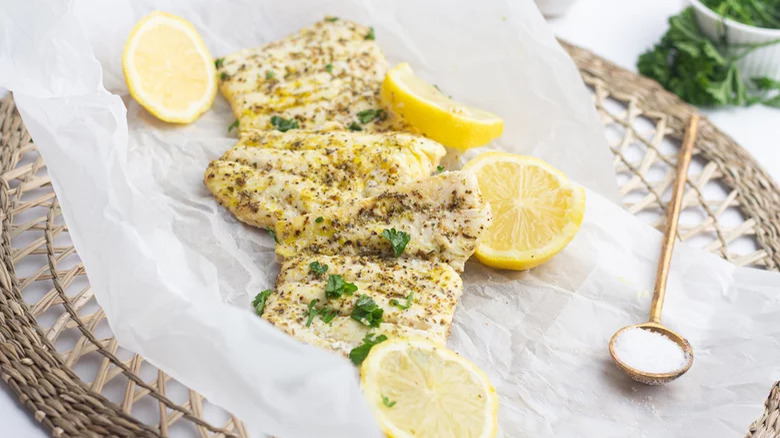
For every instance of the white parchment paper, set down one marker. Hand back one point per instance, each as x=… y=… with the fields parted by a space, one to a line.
x=174 y=273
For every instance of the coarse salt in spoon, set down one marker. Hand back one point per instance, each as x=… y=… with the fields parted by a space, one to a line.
x=651 y=353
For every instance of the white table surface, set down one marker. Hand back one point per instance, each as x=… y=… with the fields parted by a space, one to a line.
x=618 y=30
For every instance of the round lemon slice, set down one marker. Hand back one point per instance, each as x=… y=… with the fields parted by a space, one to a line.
x=437 y=116
x=168 y=69
x=536 y=210
x=421 y=389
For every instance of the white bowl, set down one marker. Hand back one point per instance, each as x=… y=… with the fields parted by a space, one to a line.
x=761 y=62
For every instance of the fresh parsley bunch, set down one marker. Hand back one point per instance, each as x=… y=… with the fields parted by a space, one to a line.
x=702 y=72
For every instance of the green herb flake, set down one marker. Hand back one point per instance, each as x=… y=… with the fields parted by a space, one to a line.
x=233 y=125
x=218 y=62
x=398 y=240
x=223 y=76
x=269 y=75
x=331 y=19
x=370 y=115
x=283 y=125
x=327 y=315
x=259 y=302
x=312 y=312
x=319 y=219
x=329 y=68
x=408 y=304
x=272 y=233
x=367 y=312
x=317 y=268
x=359 y=353
x=337 y=287
x=386 y=401
x=370 y=35
x=355 y=126
x=439 y=169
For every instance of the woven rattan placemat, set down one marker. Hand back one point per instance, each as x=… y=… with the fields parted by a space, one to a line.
x=59 y=357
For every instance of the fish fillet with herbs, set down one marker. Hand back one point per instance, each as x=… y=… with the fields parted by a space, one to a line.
x=324 y=77
x=271 y=176
x=439 y=218
x=335 y=301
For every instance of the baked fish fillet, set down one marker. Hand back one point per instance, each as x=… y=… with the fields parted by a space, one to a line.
x=321 y=76
x=436 y=288
x=270 y=176
x=443 y=214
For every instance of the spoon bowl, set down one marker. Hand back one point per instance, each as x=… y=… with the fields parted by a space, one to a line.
x=654 y=378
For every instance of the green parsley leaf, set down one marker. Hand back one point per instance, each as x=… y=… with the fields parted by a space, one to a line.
x=331 y=19
x=269 y=75
x=317 y=268
x=319 y=219
x=337 y=287
x=233 y=125
x=218 y=62
x=327 y=315
x=408 y=304
x=359 y=353
x=370 y=35
x=355 y=127
x=223 y=76
x=283 y=125
x=259 y=302
x=272 y=233
x=367 y=312
x=370 y=115
x=440 y=169
x=398 y=240
x=312 y=312
x=329 y=68
x=386 y=401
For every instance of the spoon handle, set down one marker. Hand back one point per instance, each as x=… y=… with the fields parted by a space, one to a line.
x=673 y=215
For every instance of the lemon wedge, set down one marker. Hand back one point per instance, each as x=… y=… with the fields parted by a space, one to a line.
x=421 y=389
x=536 y=210
x=168 y=69
x=437 y=116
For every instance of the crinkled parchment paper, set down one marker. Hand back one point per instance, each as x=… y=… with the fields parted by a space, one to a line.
x=175 y=273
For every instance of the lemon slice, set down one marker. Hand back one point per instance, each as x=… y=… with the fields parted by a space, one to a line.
x=437 y=116
x=536 y=210
x=168 y=68
x=421 y=389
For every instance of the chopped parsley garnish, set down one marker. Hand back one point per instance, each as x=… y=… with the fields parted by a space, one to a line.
x=440 y=169
x=272 y=233
x=259 y=302
x=331 y=19
x=398 y=240
x=370 y=35
x=409 y=299
x=337 y=287
x=367 y=312
x=317 y=268
x=218 y=62
x=283 y=125
x=355 y=126
x=223 y=76
x=369 y=115
x=329 y=68
x=359 y=353
x=327 y=315
x=233 y=125
x=312 y=312
x=269 y=75
x=386 y=401
x=319 y=219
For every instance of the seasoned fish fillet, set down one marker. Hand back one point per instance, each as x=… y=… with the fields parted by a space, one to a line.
x=436 y=288
x=444 y=215
x=270 y=176
x=321 y=76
